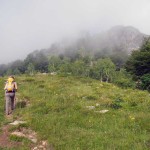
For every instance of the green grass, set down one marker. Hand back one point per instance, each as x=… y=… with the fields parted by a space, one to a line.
x=2 y=101
x=57 y=112
x=19 y=139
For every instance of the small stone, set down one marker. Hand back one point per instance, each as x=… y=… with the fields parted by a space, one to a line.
x=35 y=148
x=90 y=107
x=41 y=146
x=102 y=111
x=16 y=122
x=44 y=143
x=34 y=140
x=20 y=134
x=97 y=104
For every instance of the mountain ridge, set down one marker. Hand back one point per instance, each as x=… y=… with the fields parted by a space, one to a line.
x=120 y=38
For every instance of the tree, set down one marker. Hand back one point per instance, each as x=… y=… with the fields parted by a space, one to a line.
x=123 y=79
x=9 y=72
x=30 y=69
x=3 y=69
x=79 y=68
x=39 y=60
x=119 y=58
x=65 y=66
x=145 y=82
x=16 y=71
x=138 y=63
x=17 y=66
x=104 y=69
x=54 y=64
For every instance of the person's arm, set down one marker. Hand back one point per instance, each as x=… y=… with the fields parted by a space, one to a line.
x=5 y=86
x=16 y=88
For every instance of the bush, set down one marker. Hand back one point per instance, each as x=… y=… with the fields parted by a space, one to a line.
x=124 y=82
x=145 y=79
x=123 y=79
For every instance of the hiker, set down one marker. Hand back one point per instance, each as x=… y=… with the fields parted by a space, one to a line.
x=10 y=90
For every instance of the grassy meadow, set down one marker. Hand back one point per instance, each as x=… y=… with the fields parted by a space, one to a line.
x=2 y=82
x=65 y=111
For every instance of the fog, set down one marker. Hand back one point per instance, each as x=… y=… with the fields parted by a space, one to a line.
x=27 y=25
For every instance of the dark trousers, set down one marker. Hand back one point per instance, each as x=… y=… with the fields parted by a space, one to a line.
x=10 y=98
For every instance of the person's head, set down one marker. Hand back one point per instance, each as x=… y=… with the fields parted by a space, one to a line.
x=11 y=77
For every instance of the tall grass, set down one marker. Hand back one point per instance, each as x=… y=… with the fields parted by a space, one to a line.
x=58 y=112
x=2 y=101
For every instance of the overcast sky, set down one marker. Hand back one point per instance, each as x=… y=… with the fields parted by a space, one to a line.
x=27 y=25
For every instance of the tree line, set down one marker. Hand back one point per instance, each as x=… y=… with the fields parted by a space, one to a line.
x=138 y=65
x=118 y=67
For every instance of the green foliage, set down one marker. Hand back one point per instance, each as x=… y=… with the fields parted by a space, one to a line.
x=2 y=101
x=119 y=58
x=139 y=65
x=66 y=68
x=54 y=64
x=116 y=104
x=30 y=69
x=39 y=60
x=9 y=72
x=17 y=67
x=145 y=79
x=104 y=69
x=139 y=61
x=146 y=46
x=123 y=79
x=19 y=139
x=16 y=72
x=78 y=68
x=82 y=63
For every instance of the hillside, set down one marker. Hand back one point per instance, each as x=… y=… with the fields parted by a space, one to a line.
x=67 y=112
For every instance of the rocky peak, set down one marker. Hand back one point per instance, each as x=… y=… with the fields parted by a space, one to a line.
x=125 y=37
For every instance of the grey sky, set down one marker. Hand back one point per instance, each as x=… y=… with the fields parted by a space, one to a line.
x=27 y=25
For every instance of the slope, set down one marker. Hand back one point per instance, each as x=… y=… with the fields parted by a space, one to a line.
x=67 y=112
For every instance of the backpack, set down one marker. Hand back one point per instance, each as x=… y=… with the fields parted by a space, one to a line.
x=10 y=85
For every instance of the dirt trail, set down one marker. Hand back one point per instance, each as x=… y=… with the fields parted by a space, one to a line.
x=5 y=142
x=31 y=135
x=4 y=139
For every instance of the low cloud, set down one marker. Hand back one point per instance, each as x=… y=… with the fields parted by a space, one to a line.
x=35 y=24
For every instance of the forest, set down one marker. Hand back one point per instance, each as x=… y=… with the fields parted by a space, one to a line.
x=116 y=66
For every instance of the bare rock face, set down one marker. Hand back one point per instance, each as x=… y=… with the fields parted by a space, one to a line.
x=126 y=38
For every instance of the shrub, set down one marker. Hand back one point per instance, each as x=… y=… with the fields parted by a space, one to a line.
x=124 y=82
x=123 y=79
x=145 y=79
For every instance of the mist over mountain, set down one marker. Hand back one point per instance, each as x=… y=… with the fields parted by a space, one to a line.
x=116 y=43
x=117 y=39
x=124 y=38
